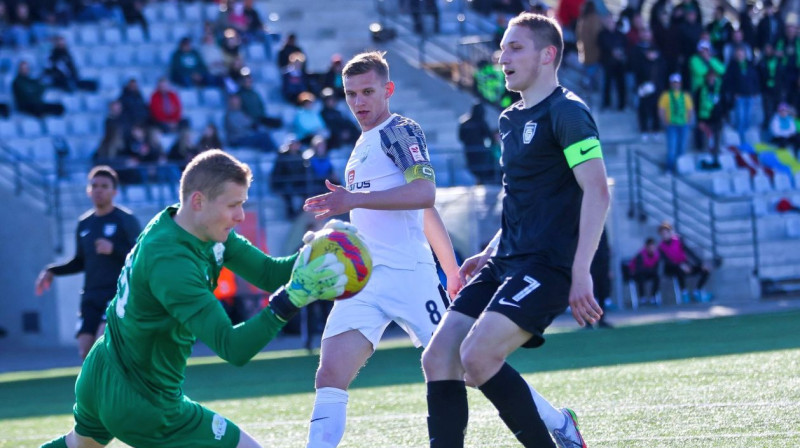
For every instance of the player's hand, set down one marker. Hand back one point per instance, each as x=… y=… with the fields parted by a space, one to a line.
x=320 y=279
x=585 y=308
x=43 y=281
x=103 y=246
x=333 y=224
x=472 y=265
x=454 y=283
x=336 y=202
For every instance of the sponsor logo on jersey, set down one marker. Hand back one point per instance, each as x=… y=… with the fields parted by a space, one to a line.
x=528 y=132
x=218 y=426
x=219 y=250
x=109 y=229
x=351 y=176
x=416 y=154
x=358 y=185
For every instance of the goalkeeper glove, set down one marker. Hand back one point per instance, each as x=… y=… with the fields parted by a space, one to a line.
x=320 y=279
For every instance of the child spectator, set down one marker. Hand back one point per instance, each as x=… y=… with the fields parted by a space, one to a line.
x=643 y=268
x=783 y=128
x=680 y=262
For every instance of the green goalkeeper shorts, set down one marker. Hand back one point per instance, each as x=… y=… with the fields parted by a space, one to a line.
x=107 y=406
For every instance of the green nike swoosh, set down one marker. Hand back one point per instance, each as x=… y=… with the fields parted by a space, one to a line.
x=583 y=153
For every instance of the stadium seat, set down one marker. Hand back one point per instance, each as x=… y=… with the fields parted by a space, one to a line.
x=169 y=12
x=741 y=183
x=109 y=80
x=72 y=103
x=151 y=14
x=134 y=35
x=761 y=206
x=211 y=11
x=198 y=118
x=112 y=36
x=212 y=97
x=8 y=129
x=124 y=56
x=30 y=127
x=193 y=12
x=761 y=183
x=721 y=184
x=256 y=52
x=146 y=55
x=55 y=126
x=99 y=56
x=159 y=33
x=727 y=162
x=95 y=103
x=81 y=124
x=189 y=98
x=782 y=181
x=89 y=35
x=793 y=227
x=686 y=164
x=180 y=30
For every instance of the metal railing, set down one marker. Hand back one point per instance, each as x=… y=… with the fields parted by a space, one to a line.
x=722 y=227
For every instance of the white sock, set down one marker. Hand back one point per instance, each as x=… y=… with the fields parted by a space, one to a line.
x=328 y=418
x=552 y=417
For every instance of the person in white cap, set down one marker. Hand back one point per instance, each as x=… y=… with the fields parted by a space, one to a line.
x=676 y=110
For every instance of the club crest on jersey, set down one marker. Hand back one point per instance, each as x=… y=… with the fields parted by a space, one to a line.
x=528 y=132
x=219 y=249
x=218 y=426
x=416 y=154
x=109 y=229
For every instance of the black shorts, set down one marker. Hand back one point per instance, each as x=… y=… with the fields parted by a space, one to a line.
x=530 y=293
x=92 y=313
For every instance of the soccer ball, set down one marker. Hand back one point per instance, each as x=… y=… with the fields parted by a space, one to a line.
x=351 y=252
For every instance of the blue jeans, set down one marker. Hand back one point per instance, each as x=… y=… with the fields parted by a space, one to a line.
x=742 y=116
x=676 y=143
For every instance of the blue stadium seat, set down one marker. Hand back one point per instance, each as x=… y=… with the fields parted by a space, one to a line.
x=212 y=97
x=256 y=52
x=112 y=36
x=100 y=56
x=55 y=126
x=134 y=35
x=82 y=124
x=741 y=183
x=89 y=34
x=159 y=33
x=124 y=55
x=782 y=181
x=761 y=183
x=189 y=98
x=8 y=129
x=170 y=12
x=30 y=127
x=193 y=12
x=95 y=103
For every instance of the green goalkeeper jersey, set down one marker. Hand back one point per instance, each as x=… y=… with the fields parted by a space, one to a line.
x=165 y=302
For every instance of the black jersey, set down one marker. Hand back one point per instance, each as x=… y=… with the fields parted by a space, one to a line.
x=101 y=271
x=540 y=146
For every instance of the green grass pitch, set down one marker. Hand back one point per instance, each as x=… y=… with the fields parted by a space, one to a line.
x=726 y=382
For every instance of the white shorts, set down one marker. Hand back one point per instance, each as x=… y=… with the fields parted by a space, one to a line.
x=415 y=300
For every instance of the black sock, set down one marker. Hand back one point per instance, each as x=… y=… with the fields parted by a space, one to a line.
x=448 y=413
x=510 y=394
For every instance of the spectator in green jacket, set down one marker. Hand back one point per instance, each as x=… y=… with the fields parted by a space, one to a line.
x=701 y=62
x=187 y=68
x=28 y=92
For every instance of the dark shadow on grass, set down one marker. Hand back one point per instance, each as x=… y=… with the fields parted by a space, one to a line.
x=573 y=350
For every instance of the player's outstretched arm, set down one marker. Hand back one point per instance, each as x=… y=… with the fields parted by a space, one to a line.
x=417 y=194
x=591 y=176
x=439 y=239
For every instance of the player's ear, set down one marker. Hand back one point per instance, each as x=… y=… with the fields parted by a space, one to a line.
x=549 y=54
x=389 y=89
x=196 y=201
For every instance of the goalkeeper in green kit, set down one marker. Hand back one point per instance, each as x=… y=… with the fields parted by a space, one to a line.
x=130 y=386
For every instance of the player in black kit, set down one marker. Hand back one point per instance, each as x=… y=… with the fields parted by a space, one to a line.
x=105 y=235
x=554 y=208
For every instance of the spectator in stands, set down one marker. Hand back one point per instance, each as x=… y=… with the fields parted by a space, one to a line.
x=96 y=11
x=341 y=130
x=741 y=85
x=20 y=32
x=665 y=35
x=770 y=27
x=789 y=43
x=134 y=108
x=255 y=30
x=289 y=175
x=649 y=71
x=211 y=52
x=720 y=30
x=587 y=29
x=289 y=46
x=295 y=80
x=61 y=70
x=307 y=121
x=6 y=37
x=133 y=11
x=489 y=83
x=253 y=105
x=209 y=139
x=737 y=40
x=676 y=110
x=680 y=262
x=231 y=46
x=320 y=166
x=612 y=45
x=475 y=135
x=701 y=63
x=28 y=94
x=237 y=71
x=421 y=8
x=187 y=68
x=165 y=107
x=689 y=32
x=783 y=129
x=241 y=130
x=643 y=268
x=333 y=77
x=112 y=146
x=772 y=70
x=710 y=114
x=747 y=24
x=147 y=157
x=184 y=149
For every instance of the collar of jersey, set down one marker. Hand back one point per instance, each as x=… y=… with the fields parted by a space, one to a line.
x=168 y=217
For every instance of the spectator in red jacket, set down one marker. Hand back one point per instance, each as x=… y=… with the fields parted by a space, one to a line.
x=680 y=262
x=165 y=107
x=644 y=268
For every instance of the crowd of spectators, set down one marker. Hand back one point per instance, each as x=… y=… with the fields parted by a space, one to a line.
x=135 y=126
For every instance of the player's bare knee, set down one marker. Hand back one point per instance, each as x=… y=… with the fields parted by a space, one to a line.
x=328 y=376
x=479 y=362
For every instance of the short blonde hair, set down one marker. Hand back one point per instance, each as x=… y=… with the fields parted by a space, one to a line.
x=208 y=172
x=367 y=62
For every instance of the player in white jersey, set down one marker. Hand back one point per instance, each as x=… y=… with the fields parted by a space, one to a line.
x=389 y=192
